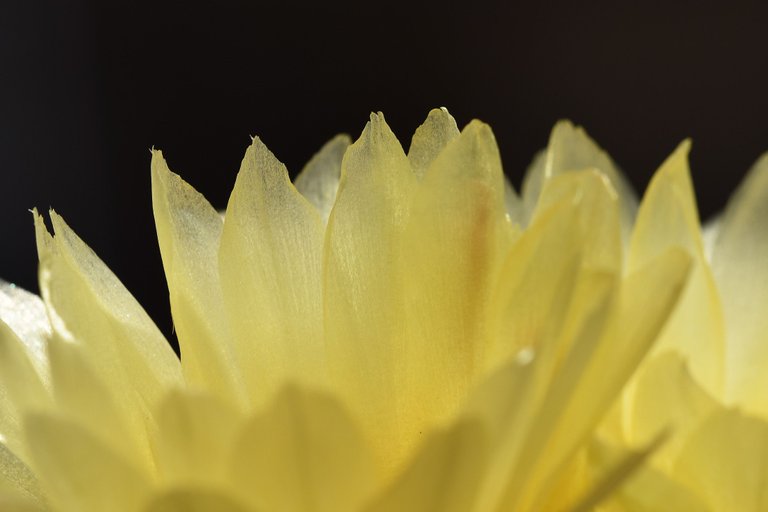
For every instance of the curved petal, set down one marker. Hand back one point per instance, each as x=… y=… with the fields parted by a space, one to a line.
x=739 y=260
x=97 y=479
x=189 y=230
x=318 y=181
x=270 y=263
x=363 y=299
x=25 y=314
x=87 y=303
x=724 y=462
x=302 y=454
x=668 y=218
x=430 y=139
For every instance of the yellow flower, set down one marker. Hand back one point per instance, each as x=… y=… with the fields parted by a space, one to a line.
x=396 y=332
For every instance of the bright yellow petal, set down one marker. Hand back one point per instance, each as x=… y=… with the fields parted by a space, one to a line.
x=270 y=263
x=724 y=461
x=318 y=181
x=739 y=260
x=302 y=454
x=189 y=229
x=668 y=218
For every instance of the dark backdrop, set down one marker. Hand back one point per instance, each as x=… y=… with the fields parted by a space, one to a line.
x=88 y=87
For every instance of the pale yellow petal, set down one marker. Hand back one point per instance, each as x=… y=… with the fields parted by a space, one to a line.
x=430 y=139
x=189 y=230
x=81 y=394
x=363 y=298
x=724 y=461
x=21 y=390
x=270 y=263
x=668 y=218
x=646 y=489
x=303 y=454
x=17 y=478
x=444 y=475
x=25 y=314
x=452 y=248
x=571 y=149
x=665 y=398
x=318 y=181
x=97 y=479
x=87 y=303
x=739 y=259
x=195 y=437
x=194 y=499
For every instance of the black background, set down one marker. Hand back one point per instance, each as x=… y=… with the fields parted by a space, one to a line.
x=88 y=87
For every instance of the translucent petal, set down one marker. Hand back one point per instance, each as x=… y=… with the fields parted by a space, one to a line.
x=666 y=398
x=81 y=395
x=363 y=298
x=195 y=438
x=319 y=180
x=571 y=149
x=21 y=390
x=18 y=478
x=430 y=138
x=452 y=248
x=270 y=264
x=601 y=361
x=739 y=260
x=647 y=489
x=87 y=303
x=444 y=475
x=303 y=454
x=189 y=229
x=194 y=499
x=724 y=462
x=97 y=479
x=668 y=218
x=25 y=314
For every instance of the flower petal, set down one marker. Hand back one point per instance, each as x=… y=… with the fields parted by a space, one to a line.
x=195 y=437
x=724 y=462
x=87 y=303
x=363 y=298
x=17 y=477
x=739 y=260
x=668 y=218
x=430 y=139
x=665 y=398
x=189 y=229
x=571 y=149
x=452 y=248
x=318 y=181
x=270 y=262
x=444 y=476
x=25 y=314
x=302 y=454
x=194 y=499
x=97 y=479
